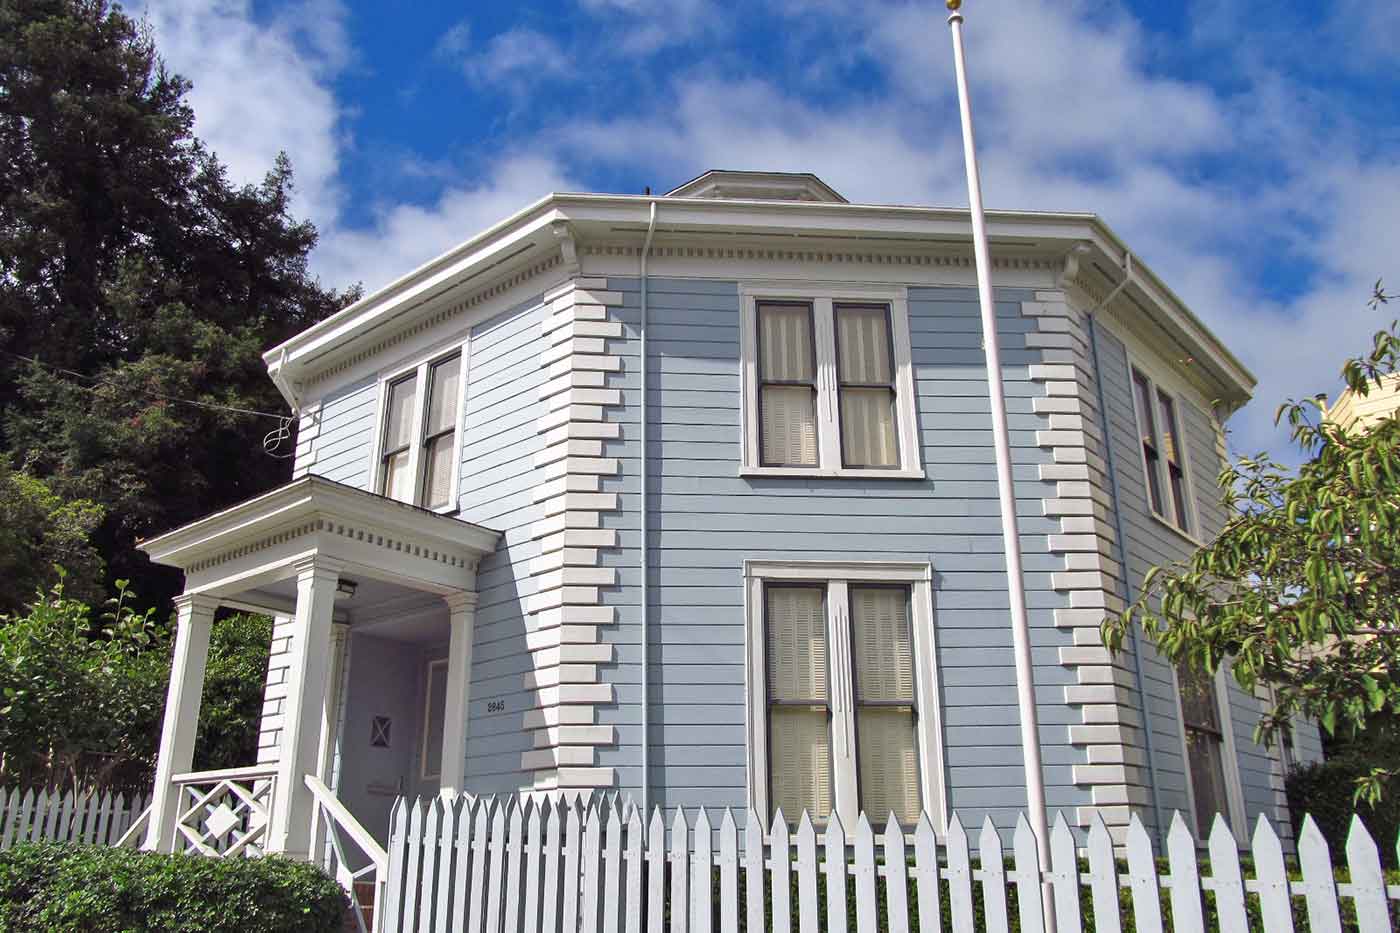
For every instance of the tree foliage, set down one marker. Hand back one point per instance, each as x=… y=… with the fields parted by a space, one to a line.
x=82 y=696
x=137 y=275
x=1301 y=589
x=39 y=532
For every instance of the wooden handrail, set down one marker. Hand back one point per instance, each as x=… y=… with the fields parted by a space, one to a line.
x=346 y=821
x=225 y=774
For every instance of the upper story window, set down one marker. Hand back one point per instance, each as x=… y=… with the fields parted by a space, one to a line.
x=843 y=708
x=829 y=388
x=1163 y=455
x=418 y=450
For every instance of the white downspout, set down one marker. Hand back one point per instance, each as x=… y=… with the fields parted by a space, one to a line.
x=646 y=547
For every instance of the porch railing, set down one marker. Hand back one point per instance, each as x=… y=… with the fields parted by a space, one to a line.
x=342 y=827
x=225 y=813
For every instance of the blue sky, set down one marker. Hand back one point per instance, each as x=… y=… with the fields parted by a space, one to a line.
x=1248 y=152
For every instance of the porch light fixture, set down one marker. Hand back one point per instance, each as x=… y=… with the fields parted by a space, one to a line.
x=345 y=589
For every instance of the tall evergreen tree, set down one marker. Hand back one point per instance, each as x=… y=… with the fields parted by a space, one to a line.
x=128 y=258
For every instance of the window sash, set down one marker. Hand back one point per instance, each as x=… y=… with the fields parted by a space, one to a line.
x=866 y=442
x=1147 y=431
x=784 y=787
x=885 y=787
x=802 y=439
x=1171 y=446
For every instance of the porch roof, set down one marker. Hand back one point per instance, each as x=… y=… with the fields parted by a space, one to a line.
x=310 y=516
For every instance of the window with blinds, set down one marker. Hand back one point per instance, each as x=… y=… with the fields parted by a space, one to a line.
x=829 y=385
x=804 y=766
x=440 y=432
x=866 y=387
x=787 y=392
x=799 y=714
x=1162 y=454
x=885 y=728
x=1205 y=740
x=417 y=462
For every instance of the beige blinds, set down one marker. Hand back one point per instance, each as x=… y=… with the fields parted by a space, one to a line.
x=787 y=385
x=396 y=476
x=865 y=373
x=798 y=689
x=441 y=432
x=883 y=650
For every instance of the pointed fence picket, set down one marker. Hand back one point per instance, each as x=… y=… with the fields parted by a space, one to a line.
x=70 y=816
x=546 y=864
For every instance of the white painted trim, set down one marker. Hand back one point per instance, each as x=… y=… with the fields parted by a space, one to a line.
x=839 y=575
x=822 y=296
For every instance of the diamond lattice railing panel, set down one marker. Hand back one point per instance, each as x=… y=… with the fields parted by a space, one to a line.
x=226 y=817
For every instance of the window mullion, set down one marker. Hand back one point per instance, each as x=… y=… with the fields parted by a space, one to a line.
x=829 y=436
x=843 y=746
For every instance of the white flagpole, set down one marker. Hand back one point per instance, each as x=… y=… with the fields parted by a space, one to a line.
x=1015 y=580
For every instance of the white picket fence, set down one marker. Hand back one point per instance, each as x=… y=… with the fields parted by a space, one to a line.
x=541 y=867
x=50 y=816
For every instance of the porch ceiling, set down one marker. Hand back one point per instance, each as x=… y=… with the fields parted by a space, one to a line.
x=255 y=544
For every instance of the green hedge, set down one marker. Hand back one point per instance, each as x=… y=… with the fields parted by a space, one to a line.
x=96 y=889
x=1326 y=790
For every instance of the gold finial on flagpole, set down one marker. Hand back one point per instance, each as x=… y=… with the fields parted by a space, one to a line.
x=954 y=5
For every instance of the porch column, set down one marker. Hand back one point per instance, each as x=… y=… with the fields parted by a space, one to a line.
x=461 y=617
x=305 y=708
x=328 y=756
x=194 y=619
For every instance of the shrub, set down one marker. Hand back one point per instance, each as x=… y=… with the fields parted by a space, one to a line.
x=95 y=889
x=1326 y=789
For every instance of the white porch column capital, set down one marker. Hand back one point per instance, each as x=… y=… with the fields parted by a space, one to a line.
x=461 y=616
x=318 y=565
x=194 y=615
x=195 y=605
x=461 y=604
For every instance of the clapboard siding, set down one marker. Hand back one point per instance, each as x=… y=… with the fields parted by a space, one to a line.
x=705 y=521
x=499 y=440
x=1151 y=542
x=343 y=443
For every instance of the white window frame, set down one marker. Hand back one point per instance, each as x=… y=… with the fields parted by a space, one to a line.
x=1155 y=386
x=822 y=297
x=426 y=729
x=421 y=367
x=1234 y=788
x=838 y=577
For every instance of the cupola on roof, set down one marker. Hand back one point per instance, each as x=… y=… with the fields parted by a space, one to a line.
x=758 y=186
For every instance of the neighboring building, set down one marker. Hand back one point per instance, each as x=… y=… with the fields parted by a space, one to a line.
x=692 y=497
x=1352 y=409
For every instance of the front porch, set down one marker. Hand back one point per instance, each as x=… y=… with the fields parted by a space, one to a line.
x=374 y=606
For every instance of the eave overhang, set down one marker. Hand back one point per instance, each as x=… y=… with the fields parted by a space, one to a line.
x=315 y=501
x=535 y=232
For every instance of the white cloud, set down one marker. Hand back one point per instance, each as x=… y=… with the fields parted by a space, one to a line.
x=513 y=55
x=404 y=236
x=261 y=87
x=644 y=27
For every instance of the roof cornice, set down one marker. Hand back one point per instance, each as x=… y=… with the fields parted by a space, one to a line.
x=525 y=239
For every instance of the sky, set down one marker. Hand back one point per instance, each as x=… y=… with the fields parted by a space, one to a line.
x=1249 y=153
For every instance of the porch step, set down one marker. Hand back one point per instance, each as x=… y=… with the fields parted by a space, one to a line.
x=364 y=903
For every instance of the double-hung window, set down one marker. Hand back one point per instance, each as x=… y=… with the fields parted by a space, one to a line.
x=418 y=448
x=1163 y=458
x=1207 y=748
x=843 y=715
x=829 y=387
